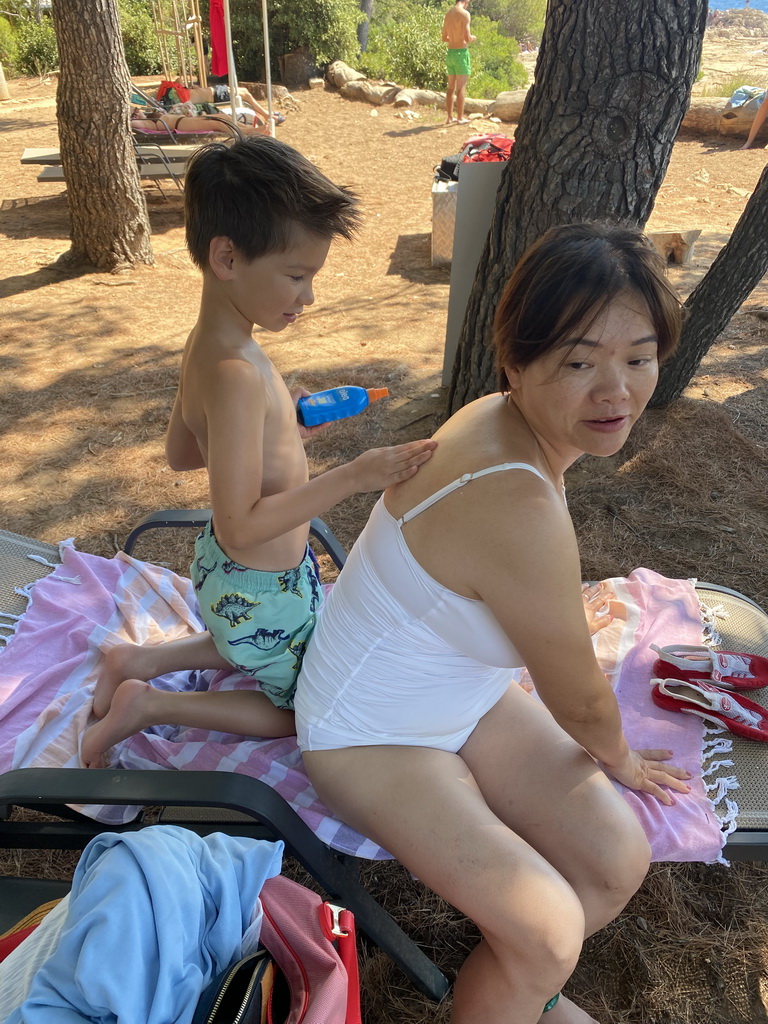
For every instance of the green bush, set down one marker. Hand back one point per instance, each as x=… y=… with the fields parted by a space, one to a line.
x=327 y=29
x=37 y=52
x=8 y=48
x=142 y=51
x=520 y=19
x=495 y=67
x=404 y=45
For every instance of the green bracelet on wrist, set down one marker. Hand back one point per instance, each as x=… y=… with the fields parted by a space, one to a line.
x=552 y=1002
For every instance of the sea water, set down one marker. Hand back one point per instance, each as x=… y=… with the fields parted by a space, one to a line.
x=729 y=5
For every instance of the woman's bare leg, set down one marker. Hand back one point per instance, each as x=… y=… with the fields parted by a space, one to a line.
x=148 y=661
x=534 y=904
x=136 y=705
x=579 y=798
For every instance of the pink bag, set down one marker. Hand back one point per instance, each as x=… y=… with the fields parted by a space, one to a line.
x=312 y=942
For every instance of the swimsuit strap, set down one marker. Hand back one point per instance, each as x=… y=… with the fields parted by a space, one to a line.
x=462 y=480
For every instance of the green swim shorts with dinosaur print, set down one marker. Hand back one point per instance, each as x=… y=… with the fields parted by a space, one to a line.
x=260 y=621
x=458 y=62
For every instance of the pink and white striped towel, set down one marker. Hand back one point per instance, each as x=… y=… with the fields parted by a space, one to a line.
x=49 y=667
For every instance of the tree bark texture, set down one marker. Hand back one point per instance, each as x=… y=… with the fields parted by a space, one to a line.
x=613 y=80
x=364 y=27
x=739 y=266
x=107 y=209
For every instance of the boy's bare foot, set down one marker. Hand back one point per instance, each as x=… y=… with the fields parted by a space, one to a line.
x=127 y=715
x=123 y=661
x=566 y=1012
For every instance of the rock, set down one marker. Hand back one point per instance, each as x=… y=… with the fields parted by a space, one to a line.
x=473 y=106
x=316 y=83
x=369 y=92
x=339 y=74
x=475 y=117
x=422 y=97
x=259 y=91
x=297 y=68
x=508 y=105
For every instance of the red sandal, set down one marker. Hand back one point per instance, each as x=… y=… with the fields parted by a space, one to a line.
x=738 y=714
x=728 y=670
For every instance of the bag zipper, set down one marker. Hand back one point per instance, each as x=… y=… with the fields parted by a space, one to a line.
x=223 y=991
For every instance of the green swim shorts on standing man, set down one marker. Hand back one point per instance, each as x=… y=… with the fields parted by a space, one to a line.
x=458 y=63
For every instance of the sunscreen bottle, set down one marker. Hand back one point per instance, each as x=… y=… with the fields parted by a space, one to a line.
x=336 y=404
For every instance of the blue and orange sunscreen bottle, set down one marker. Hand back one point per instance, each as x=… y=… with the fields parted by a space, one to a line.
x=336 y=404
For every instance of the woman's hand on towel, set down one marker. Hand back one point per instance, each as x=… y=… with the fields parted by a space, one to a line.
x=647 y=771
x=597 y=600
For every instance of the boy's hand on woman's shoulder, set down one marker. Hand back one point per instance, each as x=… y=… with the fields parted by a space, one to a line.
x=379 y=468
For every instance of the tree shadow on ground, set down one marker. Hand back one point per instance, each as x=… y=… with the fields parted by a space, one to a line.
x=40 y=279
x=35 y=217
x=412 y=259
x=417 y=130
x=48 y=216
x=16 y=125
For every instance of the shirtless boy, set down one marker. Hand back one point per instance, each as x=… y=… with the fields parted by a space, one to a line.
x=456 y=33
x=260 y=219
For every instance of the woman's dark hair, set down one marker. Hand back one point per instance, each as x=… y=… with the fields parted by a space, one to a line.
x=255 y=192
x=565 y=280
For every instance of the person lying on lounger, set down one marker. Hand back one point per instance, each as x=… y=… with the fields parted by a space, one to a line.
x=220 y=94
x=156 y=120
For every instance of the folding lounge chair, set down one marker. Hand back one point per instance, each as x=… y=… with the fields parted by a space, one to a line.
x=202 y=801
x=155 y=148
x=742 y=625
x=219 y=801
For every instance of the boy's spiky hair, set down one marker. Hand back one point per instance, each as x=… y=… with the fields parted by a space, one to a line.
x=255 y=193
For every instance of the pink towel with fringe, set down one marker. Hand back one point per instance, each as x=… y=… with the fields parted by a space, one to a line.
x=49 y=667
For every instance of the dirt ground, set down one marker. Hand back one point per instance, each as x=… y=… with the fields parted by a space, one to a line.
x=89 y=364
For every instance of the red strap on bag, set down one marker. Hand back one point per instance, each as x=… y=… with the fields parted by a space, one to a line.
x=338 y=926
x=319 y=961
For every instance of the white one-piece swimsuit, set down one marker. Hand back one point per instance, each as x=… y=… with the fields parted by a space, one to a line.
x=397 y=658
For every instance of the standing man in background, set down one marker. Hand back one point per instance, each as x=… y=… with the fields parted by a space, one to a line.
x=456 y=33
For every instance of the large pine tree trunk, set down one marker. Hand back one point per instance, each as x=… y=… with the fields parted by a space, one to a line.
x=739 y=266
x=613 y=79
x=108 y=212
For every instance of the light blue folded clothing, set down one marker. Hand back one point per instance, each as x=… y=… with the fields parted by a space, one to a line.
x=747 y=96
x=153 y=916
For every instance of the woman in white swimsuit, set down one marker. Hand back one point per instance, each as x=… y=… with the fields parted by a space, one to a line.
x=410 y=727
